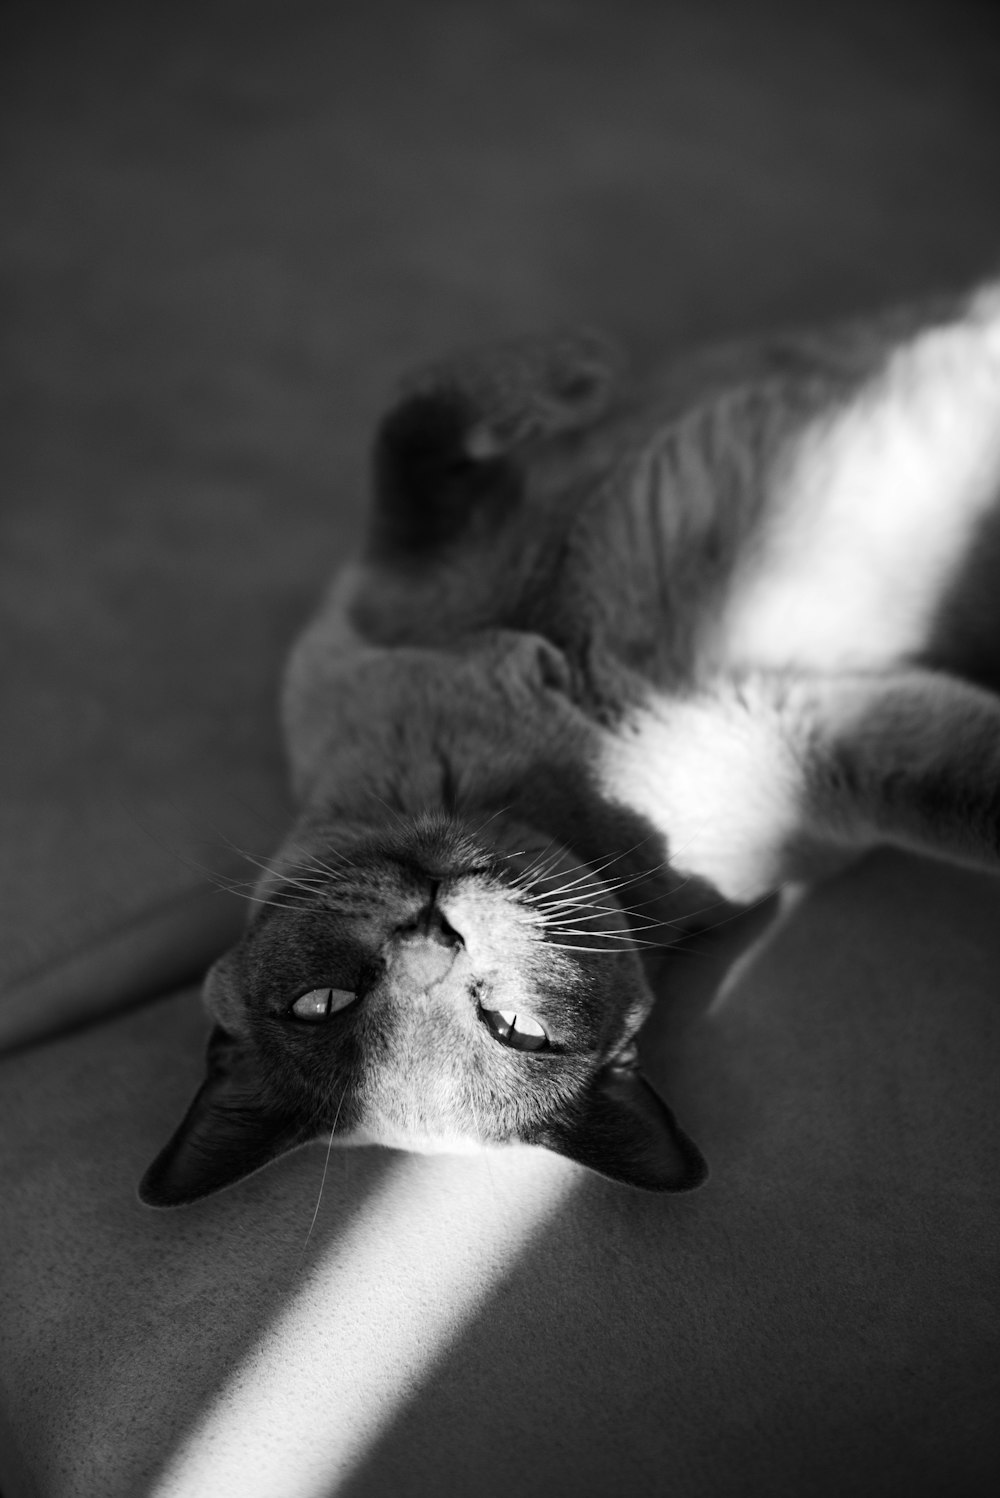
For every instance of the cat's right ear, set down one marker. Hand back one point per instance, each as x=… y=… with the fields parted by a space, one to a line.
x=452 y=450
x=230 y=1131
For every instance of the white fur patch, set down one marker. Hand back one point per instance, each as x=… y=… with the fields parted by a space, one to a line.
x=875 y=509
x=390 y=1136
x=717 y=775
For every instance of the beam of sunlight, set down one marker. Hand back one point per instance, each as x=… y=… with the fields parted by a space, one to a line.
x=366 y=1323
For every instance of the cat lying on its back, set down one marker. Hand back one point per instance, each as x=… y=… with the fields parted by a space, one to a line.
x=611 y=652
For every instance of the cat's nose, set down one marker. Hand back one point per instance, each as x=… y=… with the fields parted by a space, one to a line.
x=425 y=948
x=431 y=925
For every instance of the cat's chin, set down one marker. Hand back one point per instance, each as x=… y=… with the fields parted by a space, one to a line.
x=414 y=1144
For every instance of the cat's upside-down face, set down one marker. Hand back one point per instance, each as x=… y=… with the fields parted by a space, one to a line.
x=431 y=984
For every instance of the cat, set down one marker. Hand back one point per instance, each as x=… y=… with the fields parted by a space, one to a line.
x=616 y=649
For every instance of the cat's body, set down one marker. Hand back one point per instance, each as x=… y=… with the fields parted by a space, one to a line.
x=613 y=651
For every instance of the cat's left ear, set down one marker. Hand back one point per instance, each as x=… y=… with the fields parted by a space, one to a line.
x=625 y=1131
x=230 y=1131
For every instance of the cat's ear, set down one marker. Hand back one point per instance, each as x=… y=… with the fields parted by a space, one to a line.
x=229 y=1132
x=452 y=448
x=625 y=1131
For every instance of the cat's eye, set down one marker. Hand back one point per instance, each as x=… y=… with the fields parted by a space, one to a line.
x=520 y=1031
x=320 y=1003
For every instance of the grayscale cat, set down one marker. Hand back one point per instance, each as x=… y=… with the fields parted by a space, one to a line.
x=615 y=650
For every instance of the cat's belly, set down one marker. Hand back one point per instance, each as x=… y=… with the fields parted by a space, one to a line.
x=875 y=510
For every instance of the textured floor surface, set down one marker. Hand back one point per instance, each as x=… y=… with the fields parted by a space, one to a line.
x=226 y=229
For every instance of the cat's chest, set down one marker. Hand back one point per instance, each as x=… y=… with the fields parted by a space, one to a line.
x=715 y=775
x=874 y=511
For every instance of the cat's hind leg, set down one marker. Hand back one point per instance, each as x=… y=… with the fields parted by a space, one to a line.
x=461 y=433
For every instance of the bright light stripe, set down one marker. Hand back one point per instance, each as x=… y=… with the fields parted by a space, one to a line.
x=876 y=508
x=385 y=1300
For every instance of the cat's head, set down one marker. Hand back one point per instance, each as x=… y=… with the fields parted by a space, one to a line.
x=429 y=982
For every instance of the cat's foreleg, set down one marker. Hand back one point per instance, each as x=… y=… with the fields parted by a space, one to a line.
x=910 y=758
x=774 y=779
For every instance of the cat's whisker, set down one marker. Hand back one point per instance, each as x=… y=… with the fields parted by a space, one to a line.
x=545 y=854
x=614 y=858
x=249 y=892
x=594 y=933
x=537 y=870
x=583 y=869
x=584 y=899
x=661 y=898
x=222 y=882
x=585 y=908
x=312 y=861
x=482 y=1142
x=592 y=873
x=741 y=910
x=286 y=877
x=620 y=939
x=309 y=873
x=478 y=831
x=635 y=913
x=592 y=917
x=249 y=857
x=595 y=868
x=397 y=816
x=322 y=1183
x=596 y=951
x=650 y=872
x=309 y=887
x=278 y=904
x=610 y=916
x=586 y=880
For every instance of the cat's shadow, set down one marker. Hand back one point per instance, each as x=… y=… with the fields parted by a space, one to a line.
x=689 y=976
x=689 y=980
